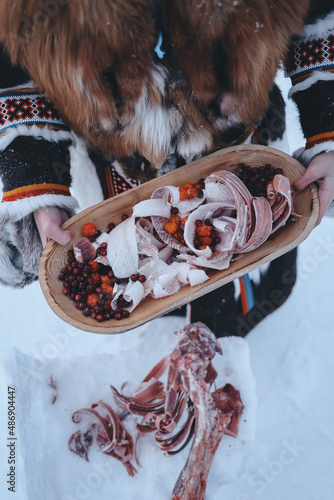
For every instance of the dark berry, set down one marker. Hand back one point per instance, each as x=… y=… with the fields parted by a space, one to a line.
x=87 y=311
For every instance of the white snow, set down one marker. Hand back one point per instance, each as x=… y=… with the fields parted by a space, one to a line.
x=291 y=359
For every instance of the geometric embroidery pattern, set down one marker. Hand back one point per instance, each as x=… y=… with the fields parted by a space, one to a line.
x=27 y=107
x=310 y=54
x=120 y=182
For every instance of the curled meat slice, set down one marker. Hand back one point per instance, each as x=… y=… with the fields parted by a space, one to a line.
x=84 y=250
x=110 y=434
x=242 y=203
x=171 y=196
x=202 y=213
x=262 y=225
x=280 y=196
x=232 y=183
x=159 y=225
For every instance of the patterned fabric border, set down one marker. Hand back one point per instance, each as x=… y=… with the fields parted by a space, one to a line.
x=317 y=139
x=27 y=107
x=120 y=182
x=35 y=190
x=308 y=55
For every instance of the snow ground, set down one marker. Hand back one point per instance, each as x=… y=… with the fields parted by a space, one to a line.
x=290 y=357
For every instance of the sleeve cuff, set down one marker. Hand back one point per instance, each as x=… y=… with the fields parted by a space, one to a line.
x=306 y=155
x=15 y=208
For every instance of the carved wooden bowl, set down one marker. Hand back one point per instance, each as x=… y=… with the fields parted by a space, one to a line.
x=54 y=256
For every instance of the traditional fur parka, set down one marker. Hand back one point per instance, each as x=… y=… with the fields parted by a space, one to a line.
x=146 y=84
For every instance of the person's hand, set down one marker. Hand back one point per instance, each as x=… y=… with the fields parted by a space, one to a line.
x=48 y=221
x=320 y=170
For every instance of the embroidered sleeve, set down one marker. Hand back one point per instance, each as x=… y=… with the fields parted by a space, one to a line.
x=311 y=69
x=35 y=173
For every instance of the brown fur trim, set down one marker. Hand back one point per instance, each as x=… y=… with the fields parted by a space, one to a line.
x=66 y=54
x=233 y=48
x=96 y=62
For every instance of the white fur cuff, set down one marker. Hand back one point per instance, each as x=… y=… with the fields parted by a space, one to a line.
x=16 y=210
x=311 y=80
x=319 y=28
x=305 y=156
x=34 y=131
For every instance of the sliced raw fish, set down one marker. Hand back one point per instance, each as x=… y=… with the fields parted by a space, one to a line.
x=222 y=263
x=147 y=243
x=165 y=253
x=133 y=293
x=122 y=251
x=118 y=291
x=102 y=260
x=186 y=274
x=157 y=271
x=154 y=206
x=160 y=291
x=197 y=277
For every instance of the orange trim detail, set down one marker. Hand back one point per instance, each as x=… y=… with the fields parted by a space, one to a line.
x=300 y=78
x=24 y=90
x=35 y=190
x=317 y=139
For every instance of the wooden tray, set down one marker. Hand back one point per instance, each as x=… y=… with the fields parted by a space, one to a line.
x=54 y=255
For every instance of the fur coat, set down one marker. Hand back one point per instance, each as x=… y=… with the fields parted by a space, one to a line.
x=99 y=68
x=142 y=83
